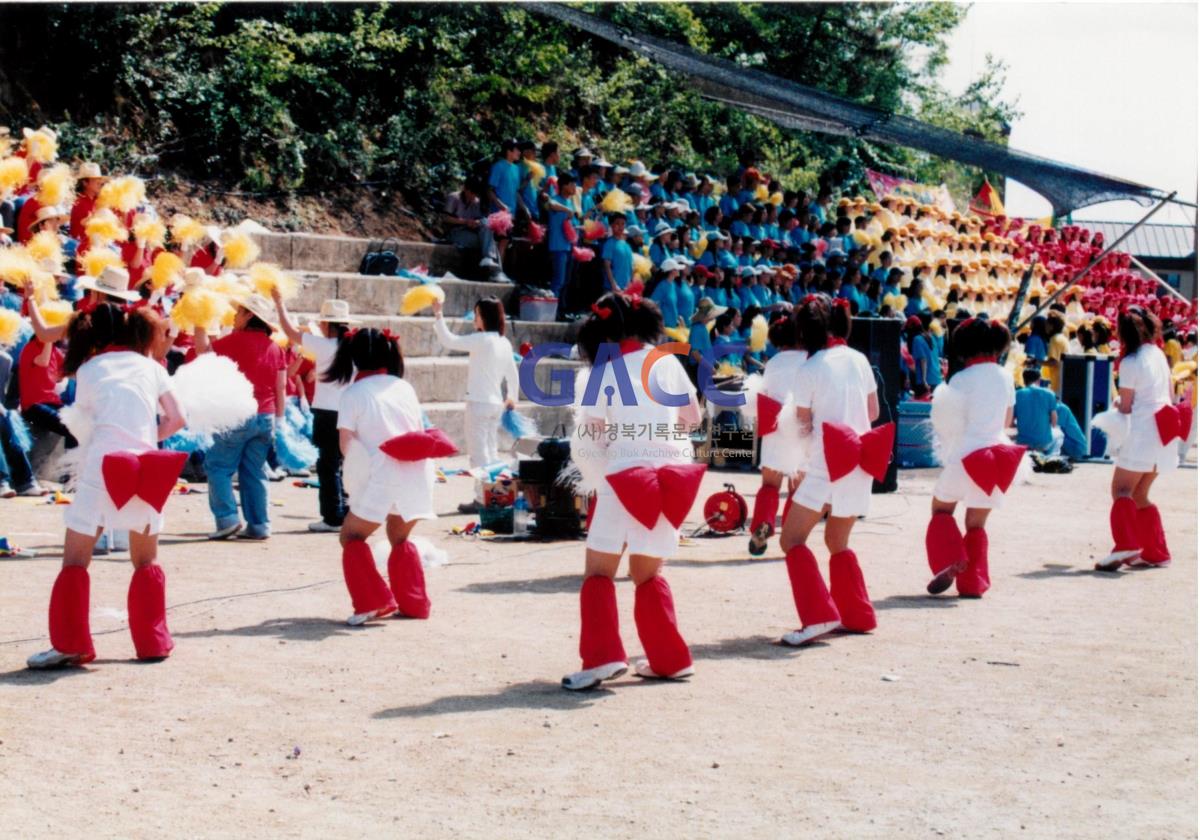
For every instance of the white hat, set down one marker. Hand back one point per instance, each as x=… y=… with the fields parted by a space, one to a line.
x=335 y=312
x=260 y=307
x=113 y=281
x=669 y=265
x=51 y=212
x=637 y=169
x=90 y=170
x=193 y=277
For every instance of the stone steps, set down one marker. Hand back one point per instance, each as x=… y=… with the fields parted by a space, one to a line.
x=444 y=378
x=417 y=337
x=382 y=295
x=315 y=252
x=449 y=417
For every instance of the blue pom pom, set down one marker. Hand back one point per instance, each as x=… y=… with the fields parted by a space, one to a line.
x=293 y=451
x=20 y=431
x=517 y=425
x=185 y=440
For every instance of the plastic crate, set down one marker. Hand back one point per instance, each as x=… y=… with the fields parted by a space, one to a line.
x=914 y=436
x=538 y=308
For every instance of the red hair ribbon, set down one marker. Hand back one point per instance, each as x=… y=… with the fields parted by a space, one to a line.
x=842 y=302
x=601 y=312
x=634 y=300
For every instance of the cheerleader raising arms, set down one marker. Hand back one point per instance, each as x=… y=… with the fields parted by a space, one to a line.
x=124 y=400
x=1155 y=422
x=836 y=402
x=645 y=486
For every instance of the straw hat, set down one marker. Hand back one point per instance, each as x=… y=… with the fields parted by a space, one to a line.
x=88 y=171
x=51 y=212
x=113 y=281
x=335 y=311
x=706 y=311
x=260 y=307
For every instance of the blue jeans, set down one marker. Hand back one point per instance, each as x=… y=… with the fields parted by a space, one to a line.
x=560 y=264
x=14 y=464
x=244 y=451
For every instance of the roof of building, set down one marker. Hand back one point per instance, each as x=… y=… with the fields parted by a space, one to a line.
x=1150 y=240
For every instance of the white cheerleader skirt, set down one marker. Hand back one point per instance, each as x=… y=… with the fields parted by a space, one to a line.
x=380 y=486
x=1143 y=450
x=661 y=494
x=956 y=485
x=850 y=495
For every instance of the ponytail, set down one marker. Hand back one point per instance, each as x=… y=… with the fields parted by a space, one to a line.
x=365 y=349
x=812 y=323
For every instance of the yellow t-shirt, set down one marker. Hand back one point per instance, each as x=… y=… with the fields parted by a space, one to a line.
x=1055 y=350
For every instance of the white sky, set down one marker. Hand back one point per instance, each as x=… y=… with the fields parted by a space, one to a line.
x=1110 y=87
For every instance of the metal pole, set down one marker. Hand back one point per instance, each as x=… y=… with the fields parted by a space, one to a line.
x=1161 y=281
x=1022 y=293
x=1050 y=300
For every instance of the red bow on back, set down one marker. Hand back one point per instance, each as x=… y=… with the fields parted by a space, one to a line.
x=417 y=446
x=768 y=414
x=1173 y=421
x=648 y=491
x=150 y=476
x=994 y=466
x=845 y=450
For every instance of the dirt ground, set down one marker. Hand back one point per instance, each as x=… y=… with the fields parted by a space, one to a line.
x=1063 y=704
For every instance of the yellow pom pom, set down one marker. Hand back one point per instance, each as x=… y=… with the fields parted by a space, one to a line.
x=240 y=250
x=537 y=172
x=230 y=286
x=228 y=315
x=186 y=231
x=103 y=228
x=41 y=146
x=45 y=287
x=14 y=172
x=122 y=194
x=266 y=277
x=199 y=307
x=10 y=327
x=45 y=247
x=758 y=334
x=55 y=312
x=280 y=339
x=419 y=297
x=776 y=198
x=98 y=259
x=726 y=370
x=676 y=333
x=761 y=193
x=56 y=185
x=616 y=201
x=149 y=231
x=166 y=270
x=700 y=246
x=642 y=267
x=16 y=265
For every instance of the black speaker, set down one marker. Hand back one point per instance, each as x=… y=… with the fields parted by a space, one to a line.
x=879 y=340
x=1086 y=387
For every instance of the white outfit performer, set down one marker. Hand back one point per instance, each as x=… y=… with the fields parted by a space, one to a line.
x=780 y=452
x=378 y=408
x=1148 y=374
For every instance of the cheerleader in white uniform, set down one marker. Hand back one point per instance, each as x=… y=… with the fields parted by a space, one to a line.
x=970 y=414
x=389 y=477
x=635 y=450
x=491 y=365
x=781 y=455
x=1155 y=423
x=836 y=402
x=125 y=401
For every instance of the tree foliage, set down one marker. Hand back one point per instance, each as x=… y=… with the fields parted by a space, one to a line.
x=307 y=96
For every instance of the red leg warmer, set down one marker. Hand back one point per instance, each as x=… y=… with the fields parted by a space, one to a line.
x=1151 y=536
x=974 y=581
x=599 y=623
x=1124 y=521
x=766 y=505
x=70 y=600
x=367 y=588
x=944 y=544
x=849 y=592
x=408 y=580
x=147 y=605
x=654 y=613
x=808 y=588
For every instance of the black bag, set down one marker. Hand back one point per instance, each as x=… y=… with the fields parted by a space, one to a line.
x=380 y=259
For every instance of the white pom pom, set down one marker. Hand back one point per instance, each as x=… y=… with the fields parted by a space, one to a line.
x=214 y=395
x=1115 y=426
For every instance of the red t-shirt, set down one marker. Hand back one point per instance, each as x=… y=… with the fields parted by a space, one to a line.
x=310 y=383
x=37 y=382
x=258 y=358
x=25 y=219
x=82 y=208
x=289 y=356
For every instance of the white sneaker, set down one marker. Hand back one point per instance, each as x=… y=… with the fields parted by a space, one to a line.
x=804 y=635
x=488 y=262
x=53 y=659
x=34 y=489
x=644 y=670
x=1138 y=562
x=1116 y=560
x=592 y=677
x=299 y=473
x=6 y=491
x=359 y=619
x=226 y=532
x=275 y=475
x=323 y=527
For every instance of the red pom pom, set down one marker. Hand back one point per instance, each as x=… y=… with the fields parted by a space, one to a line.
x=582 y=254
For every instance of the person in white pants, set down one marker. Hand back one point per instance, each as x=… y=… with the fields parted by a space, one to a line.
x=491 y=383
